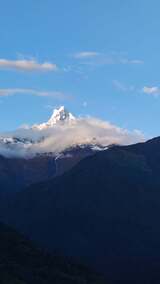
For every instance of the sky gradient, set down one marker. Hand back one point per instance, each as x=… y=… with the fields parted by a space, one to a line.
x=98 y=58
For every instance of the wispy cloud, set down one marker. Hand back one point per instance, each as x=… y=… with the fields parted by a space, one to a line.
x=85 y=54
x=98 y=58
x=85 y=104
x=27 y=65
x=15 y=91
x=123 y=87
x=155 y=91
x=129 y=61
x=149 y=90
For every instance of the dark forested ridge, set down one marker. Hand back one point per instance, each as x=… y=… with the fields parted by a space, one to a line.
x=105 y=212
x=22 y=263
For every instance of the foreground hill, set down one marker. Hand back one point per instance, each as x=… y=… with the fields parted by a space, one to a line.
x=22 y=263
x=105 y=212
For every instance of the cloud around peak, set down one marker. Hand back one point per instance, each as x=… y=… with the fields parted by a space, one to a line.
x=86 y=130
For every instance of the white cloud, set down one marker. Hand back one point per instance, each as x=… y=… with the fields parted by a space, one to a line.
x=27 y=65
x=61 y=136
x=85 y=54
x=12 y=92
x=155 y=91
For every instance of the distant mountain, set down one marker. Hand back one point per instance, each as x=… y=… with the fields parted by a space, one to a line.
x=63 y=131
x=105 y=211
x=26 y=158
x=42 y=151
x=22 y=263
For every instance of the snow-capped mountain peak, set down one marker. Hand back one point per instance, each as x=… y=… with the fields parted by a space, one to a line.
x=60 y=115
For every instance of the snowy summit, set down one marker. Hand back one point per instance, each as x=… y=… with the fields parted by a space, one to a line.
x=60 y=115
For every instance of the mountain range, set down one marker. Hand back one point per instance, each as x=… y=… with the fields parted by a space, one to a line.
x=85 y=197
x=42 y=151
x=104 y=212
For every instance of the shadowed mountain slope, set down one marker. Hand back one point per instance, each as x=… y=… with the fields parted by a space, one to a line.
x=17 y=173
x=105 y=211
x=22 y=263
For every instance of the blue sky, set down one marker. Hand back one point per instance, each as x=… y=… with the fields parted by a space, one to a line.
x=96 y=57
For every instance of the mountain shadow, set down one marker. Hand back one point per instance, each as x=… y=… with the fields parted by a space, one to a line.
x=105 y=212
x=22 y=263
